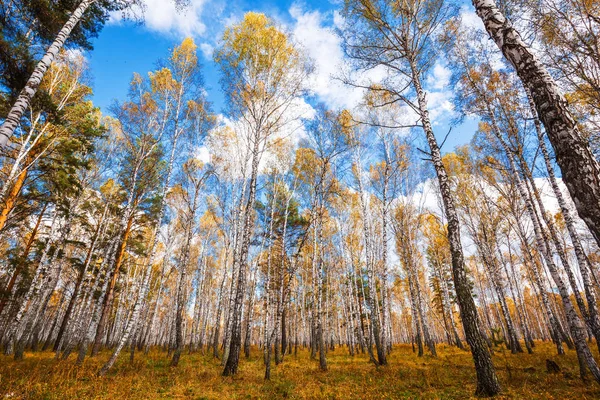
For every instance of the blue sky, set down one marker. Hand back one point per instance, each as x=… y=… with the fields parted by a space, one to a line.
x=123 y=48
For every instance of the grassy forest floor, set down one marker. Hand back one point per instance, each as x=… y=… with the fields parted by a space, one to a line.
x=450 y=376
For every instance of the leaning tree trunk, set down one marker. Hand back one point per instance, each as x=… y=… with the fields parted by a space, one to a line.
x=22 y=104
x=86 y=321
x=580 y=170
x=576 y=327
x=493 y=269
x=582 y=259
x=592 y=323
x=487 y=381
x=13 y=195
x=519 y=309
x=553 y=326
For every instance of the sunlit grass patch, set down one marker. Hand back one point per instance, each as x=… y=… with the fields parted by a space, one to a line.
x=449 y=376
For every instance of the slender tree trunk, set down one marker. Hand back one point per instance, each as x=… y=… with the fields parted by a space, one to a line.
x=54 y=324
x=415 y=315
x=181 y=298
x=87 y=321
x=429 y=342
x=215 y=343
x=321 y=291
x=375 y=325
x=79 y=281
x=18 y=268
x=233 y=358
x=131 y=323
x=249 y=316
x=37 y=283
x=385 y=343
x=487 y=381
x=519 y=308
x=108 y=295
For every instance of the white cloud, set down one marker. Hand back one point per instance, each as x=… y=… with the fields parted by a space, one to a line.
x=440 y=106
x=439 y=77
x=439 y=94
x=162 y=16
x=207 y=50
x=323 y=46
x=229 y=143
x=338 y=21
x=203 y=154
x=316 y=35
x=76 y=54
x=470 y=19
x=426 y=197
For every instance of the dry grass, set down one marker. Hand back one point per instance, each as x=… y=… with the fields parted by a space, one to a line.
x=450 y=376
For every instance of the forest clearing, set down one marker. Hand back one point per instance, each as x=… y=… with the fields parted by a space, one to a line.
x=405 y=193
x=449 y=376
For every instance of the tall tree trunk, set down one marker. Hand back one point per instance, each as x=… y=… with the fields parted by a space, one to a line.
x=415 y=314
x=487 y=381
x=37 y=283
x=429 y=342
x=108 y=295
x=216 y=332
x=233 y=357
x=385 y=343
x=375 y=326
x=152 y=319
x=75 y=296
x=87 y=328
x=519 y=308
x=181 y=301
x=493 y=269
x=321 y=292
x=21 y=263
x=131 y=321
x=249 y=316
x=50 y=274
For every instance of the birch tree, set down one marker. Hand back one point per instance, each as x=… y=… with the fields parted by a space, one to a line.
x=400 y=37
x=99 y=10
x=263 y=75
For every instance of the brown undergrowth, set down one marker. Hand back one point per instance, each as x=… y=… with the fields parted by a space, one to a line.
x=450 y=376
